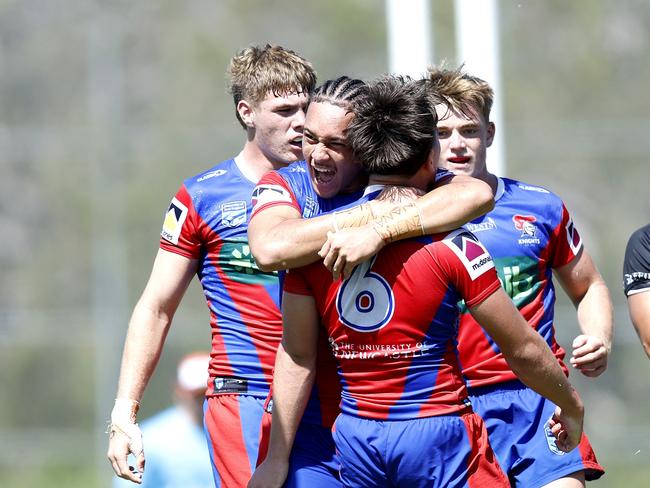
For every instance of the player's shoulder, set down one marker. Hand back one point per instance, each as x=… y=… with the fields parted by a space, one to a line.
x=468 y=250
x=220 y=171
x=529 y=195
x=295 y=174
x=641 y=236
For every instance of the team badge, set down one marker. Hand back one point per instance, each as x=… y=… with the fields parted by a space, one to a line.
x=551 y=441
x=526 y=224
x=572 y=235
x=470 y=251
x=233 y=214
x=263 y=194
x=174 y=218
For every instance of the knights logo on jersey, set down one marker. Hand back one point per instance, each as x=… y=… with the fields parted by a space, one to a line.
x=472 y=254
x=572 y=235
x=173 y=223
x=233 y=214
x=263 y=194
x=526 y=224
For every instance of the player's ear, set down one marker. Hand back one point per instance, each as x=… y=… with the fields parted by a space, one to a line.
x=246 y=113
x=491 y=130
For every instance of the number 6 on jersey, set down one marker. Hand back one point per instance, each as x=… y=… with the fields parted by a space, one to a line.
x=365 y=301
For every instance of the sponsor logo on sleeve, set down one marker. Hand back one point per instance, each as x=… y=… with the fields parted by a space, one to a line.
x=526 y=224
x=471 y=252
x=233 y=214
x=572 y=235
x=173 y=223
x=264 y=194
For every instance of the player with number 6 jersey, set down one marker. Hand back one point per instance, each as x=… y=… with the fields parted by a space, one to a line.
x=392 y=325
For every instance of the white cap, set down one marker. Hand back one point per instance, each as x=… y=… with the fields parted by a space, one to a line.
x=192 y=373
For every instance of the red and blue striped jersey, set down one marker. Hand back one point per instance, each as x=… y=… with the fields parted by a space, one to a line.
x=528 y=233
x=292 y=186
x=207 y=220
x=392 y=325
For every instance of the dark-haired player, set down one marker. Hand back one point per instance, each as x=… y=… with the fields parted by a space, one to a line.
x=405 y=417
x=282 y=235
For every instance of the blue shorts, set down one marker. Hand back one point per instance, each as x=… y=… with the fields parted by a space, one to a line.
x=313 y=462
x=232 y=424
x=449 y=451
x=516 y=417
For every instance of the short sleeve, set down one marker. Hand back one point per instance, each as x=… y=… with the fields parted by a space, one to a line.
x=469 y=266
x=296 y=282
x=273 y=190
x=566 y=241
x=180 y=233
x=636 y=264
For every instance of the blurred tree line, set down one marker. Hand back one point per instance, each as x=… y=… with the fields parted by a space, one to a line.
x=107 y=105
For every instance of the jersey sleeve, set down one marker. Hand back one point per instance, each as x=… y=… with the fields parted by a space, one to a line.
x=468 y=266
x=273 y=190
x=566 y=241
x=636 y=264
x=296 y=282
x=180 y=231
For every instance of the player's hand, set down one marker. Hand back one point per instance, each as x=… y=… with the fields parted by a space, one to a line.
x=590 y=355
x=344 y=249
x=567 y=429
x=272 y=473
x=123 y=441
x=124 y=438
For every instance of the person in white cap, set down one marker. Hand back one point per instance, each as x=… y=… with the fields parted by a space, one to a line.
x=177 y=452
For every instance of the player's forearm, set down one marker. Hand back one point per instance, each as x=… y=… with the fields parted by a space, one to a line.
x=293 y=378
x=596 y=313
x=452 y=205
x=289 y=243
x=444 y=208
x=142 y=348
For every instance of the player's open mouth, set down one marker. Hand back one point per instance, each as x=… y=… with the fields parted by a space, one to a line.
x=296 y=143
x=323 y=175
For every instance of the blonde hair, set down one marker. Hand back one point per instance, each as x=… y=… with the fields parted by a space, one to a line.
x=462 y=92
x=256 y=71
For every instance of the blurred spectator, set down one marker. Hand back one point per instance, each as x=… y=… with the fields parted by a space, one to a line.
x=636 y=283
x=177 y=451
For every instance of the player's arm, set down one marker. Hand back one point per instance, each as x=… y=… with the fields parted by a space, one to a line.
x=293 y=378
x=454 y=202
x=280 y=238
x=150 y=321
x=533 y=362
x=587 y=290
x=639 y=307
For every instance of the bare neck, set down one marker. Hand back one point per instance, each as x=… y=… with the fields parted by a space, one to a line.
x=253 y=163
